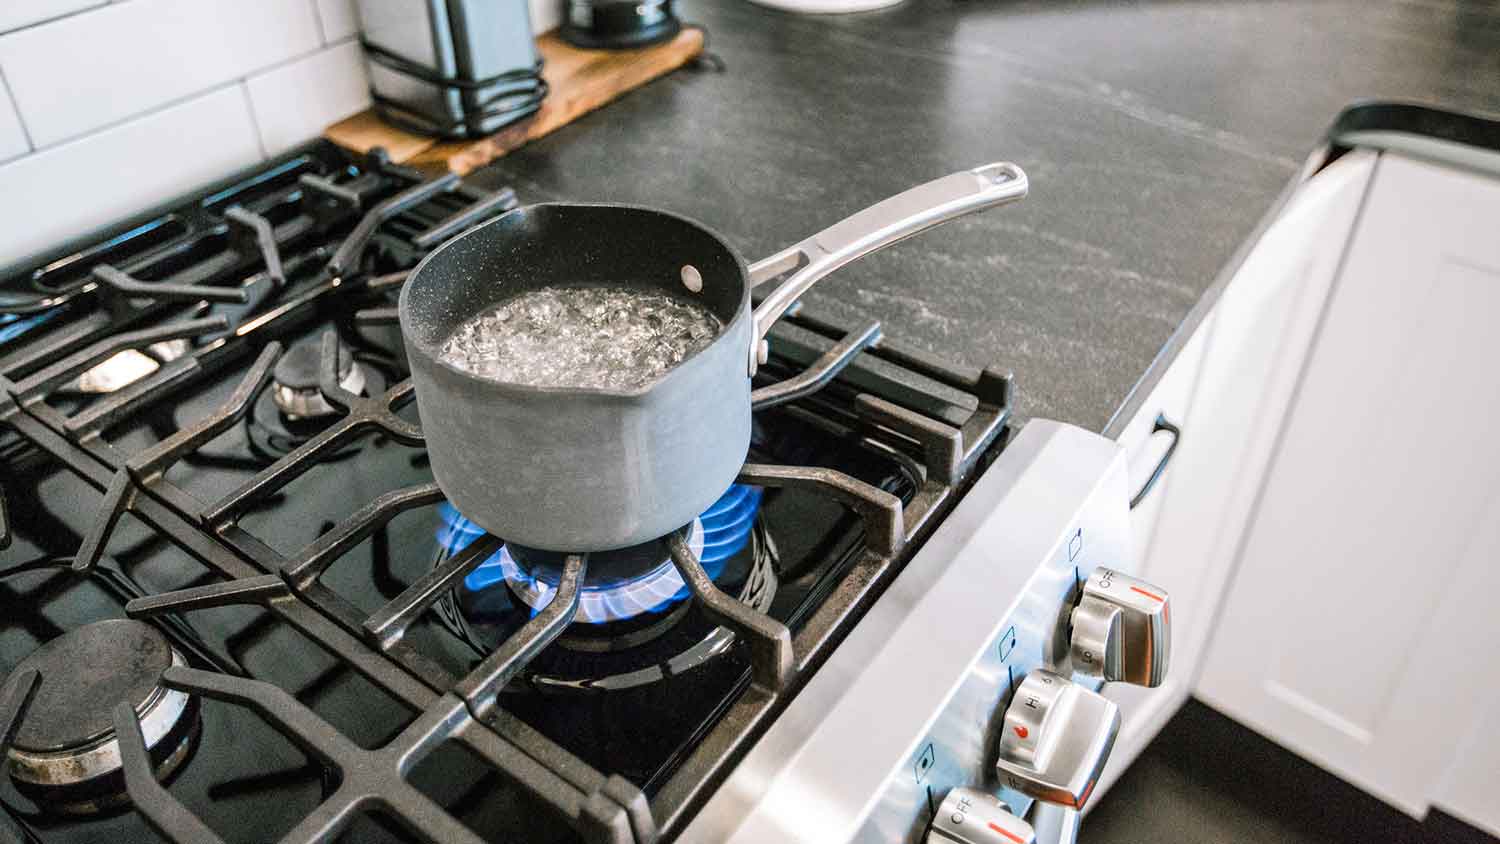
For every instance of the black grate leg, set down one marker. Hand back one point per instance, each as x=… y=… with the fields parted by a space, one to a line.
x=15 y=696
x=881 y=511
x=825 y=369
x=771 y=655
x=482 y=686
x=163 y=811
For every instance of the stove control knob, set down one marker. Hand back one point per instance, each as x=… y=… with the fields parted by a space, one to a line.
x=1057 y=737
x=969 y=816
x=1122 y=629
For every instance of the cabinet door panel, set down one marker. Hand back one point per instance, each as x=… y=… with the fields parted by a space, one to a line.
x=1380 y=510
x=1244 y=382
x=1468 y=788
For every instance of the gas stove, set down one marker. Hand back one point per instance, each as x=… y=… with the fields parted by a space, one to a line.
x=238 y=608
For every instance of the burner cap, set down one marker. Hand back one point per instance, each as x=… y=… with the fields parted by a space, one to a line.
x=85 y=673
x=65 y=754
x=296 y=375
x=298 y=368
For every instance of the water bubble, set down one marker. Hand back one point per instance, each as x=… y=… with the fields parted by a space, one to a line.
x=614 y=337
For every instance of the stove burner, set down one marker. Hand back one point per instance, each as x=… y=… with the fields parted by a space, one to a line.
x=643 y=650
x=532 y=575
x=273 y=433
x=65 y=754
x=124 y=368
x=295 y=390
x=621 y=584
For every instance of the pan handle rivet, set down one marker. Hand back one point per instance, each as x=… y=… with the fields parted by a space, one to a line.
x=691 y=278
x=763 y=351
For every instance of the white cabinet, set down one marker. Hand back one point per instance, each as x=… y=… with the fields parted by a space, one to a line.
x=1244 y=357
x=1170 y=399
x=1467 y=789
x=1358 y=630
x=1146 y=446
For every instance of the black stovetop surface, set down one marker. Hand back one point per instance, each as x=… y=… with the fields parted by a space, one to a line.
x=314 y=545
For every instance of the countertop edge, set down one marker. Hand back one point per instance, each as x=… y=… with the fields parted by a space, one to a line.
x=1205 y=304
x=1458 y=139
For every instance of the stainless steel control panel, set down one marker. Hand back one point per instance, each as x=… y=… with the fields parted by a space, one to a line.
x=911 y=705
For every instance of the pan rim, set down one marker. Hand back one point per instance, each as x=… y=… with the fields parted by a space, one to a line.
x=428 y=351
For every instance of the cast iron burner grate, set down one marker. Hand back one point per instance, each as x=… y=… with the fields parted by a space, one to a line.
x=321 y=238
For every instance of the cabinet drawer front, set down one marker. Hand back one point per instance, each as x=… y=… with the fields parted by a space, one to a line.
x=1147 y=443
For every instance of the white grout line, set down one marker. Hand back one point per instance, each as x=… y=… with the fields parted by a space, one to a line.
x=64 y=16
x=20 y=121
x=241 y=81
x=260 y=140
x=318 y=22
x=322 y=46
x=262 y=71
x=115 y=124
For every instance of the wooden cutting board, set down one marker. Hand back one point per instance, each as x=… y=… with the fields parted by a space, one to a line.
x=580 y=81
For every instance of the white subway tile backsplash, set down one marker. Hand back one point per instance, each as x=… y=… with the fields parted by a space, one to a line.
x=60 y=193
x=18 y=13
x=90 y=70
x=13 y=141
x=339 y=19
x=296 y=101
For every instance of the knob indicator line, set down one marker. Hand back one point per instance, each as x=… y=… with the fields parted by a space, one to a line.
x=1007 y=833
x=1121 y=629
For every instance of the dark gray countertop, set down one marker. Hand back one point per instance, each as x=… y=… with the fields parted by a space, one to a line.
x=1154 y=135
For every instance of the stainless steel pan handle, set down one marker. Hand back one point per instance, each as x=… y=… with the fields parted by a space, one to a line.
x=876 y=227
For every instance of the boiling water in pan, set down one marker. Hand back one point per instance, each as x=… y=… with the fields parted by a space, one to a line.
x=613 y=337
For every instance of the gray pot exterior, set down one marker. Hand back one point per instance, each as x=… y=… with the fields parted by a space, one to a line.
x=574 y=469
x=589 y=472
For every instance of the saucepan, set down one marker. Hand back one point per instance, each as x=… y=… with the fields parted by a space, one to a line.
x=578 y=469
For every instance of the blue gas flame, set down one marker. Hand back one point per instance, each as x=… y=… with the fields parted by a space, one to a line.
x=725 y=528
x=13 y=326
